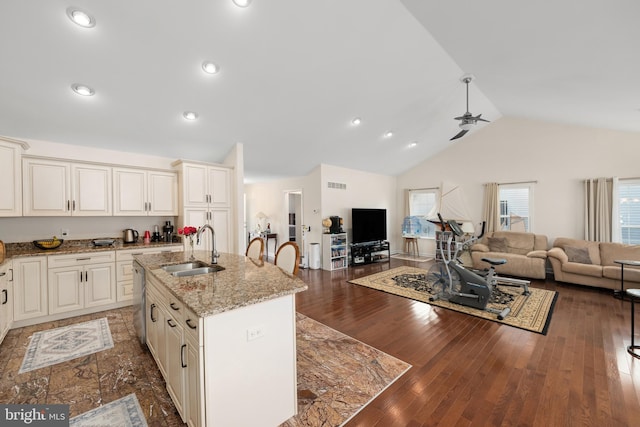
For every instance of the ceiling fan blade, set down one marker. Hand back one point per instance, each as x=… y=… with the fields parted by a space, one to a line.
x=459 y=135
x=477 y=118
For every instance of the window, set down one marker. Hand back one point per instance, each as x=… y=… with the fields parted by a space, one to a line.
x=516 y=203
x=421 y=202
x=629 y=211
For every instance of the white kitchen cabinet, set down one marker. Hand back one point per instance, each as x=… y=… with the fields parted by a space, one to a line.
x=141 y=192
x=30 y=287
x=176 y=362
x=124 y=268
x=56 y=188
x=155 y=328
x=81 y=281
x=6 y=299
x=194 y=387
x=11 y=177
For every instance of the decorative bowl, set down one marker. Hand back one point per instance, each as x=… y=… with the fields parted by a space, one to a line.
x=48 y=243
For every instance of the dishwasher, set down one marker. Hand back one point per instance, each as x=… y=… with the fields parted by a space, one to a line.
x=139 y=301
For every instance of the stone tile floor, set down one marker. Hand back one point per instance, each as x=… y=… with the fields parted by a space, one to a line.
x=89 y=381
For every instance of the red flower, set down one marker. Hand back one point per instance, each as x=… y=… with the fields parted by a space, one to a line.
x=187 y=230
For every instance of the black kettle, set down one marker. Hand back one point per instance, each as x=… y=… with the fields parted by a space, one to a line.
x=130 y=235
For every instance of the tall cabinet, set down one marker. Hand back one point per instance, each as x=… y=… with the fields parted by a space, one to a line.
x=206 y=198
x=11 y=177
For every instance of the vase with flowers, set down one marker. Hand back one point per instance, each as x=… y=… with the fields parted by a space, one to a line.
x=188 y=231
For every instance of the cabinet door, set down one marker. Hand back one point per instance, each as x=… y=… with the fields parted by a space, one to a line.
x=46 y=188
x=66 y=289
x=195 y=185
x=6 y=301
x=219 y=192
x=192 y=384
x=10 y=177
x=163 y=194
x=30 y=288
x=129 y=192
x=91 y=190
x=176 y=363
x=197 y=217
x=220 y=221
x=100 y=288
x=153 y=317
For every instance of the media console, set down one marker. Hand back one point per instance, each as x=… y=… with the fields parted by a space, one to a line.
x=367 y=253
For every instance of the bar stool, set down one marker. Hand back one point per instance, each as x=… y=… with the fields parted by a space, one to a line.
x=633 y=295
x=411 y=245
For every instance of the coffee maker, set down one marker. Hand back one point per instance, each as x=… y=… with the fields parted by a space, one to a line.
x=155 y=237
x=167 y=231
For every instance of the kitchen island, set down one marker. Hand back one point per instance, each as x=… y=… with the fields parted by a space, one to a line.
x=224 y=341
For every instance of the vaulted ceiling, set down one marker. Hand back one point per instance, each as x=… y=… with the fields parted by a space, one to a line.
x=294 y=73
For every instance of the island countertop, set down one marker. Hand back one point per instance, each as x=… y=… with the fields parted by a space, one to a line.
x=243 y=282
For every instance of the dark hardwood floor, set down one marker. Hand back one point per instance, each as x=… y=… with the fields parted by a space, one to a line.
x=470 y=371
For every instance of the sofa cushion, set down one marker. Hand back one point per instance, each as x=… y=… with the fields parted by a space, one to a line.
x=592 y=247
x=584 y=269
x=517 y=243
x=610 y=252
x=580 y=255
x=497 y=244
x=631 y=274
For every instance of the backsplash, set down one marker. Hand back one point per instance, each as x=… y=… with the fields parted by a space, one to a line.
x=26 y=229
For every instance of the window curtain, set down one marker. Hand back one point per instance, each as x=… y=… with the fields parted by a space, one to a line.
x=491 y=209
x=407 y=194
x=598 y=209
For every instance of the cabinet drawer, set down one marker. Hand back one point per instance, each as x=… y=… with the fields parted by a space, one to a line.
x=84 y=258
x=124 y=271
x=175 y=308
x=193 y=326
x=125 y=291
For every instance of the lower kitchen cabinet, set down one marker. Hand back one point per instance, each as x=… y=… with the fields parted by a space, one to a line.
x=6 y=299
x=30 y=287
x=124 y=268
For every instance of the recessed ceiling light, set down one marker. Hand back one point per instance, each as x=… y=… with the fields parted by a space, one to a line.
x=81 y=17
x=209 y=67
x=412 y=144
x=190 y=115
x=83 y=90
x=356 y=121
x=388 y=134
x=242 y=3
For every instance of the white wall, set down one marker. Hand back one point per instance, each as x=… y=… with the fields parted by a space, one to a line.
x=557 y=156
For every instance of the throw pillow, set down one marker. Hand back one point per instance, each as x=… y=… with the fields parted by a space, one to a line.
x=579 y=255
x=497 y=244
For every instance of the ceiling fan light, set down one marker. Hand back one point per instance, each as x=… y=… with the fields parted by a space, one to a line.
x=466 y=126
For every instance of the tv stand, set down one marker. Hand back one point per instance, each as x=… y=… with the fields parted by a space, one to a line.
x=367 y=253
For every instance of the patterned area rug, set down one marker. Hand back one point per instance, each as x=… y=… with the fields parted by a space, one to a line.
x=337 y=375
x=532 y=312
x=68 y=342
x=124 y=412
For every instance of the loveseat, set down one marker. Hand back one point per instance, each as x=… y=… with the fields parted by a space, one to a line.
x=525 y=253
x=590 y=263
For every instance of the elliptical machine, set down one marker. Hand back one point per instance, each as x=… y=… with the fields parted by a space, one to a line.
x=463 y=286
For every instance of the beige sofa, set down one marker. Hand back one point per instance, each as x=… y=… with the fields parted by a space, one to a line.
x=592 y=263
x=526 y=253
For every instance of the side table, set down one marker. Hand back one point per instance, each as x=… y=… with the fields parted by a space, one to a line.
x=620 y=294
x=633 y=295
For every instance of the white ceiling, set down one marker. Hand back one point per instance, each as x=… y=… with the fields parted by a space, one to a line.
x=295 y=72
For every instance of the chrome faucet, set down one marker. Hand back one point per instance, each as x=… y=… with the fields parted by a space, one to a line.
x=214 y=253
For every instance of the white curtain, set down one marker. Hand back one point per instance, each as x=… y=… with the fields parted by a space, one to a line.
x=615 y=211
x=491 y=209
x=598 y=209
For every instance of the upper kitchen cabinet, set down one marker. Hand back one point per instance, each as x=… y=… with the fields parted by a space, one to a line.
x=10 y=177
x=140 y=192
x=205 y=185
x=57 y=188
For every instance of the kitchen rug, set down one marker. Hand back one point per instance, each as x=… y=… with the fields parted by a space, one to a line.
x=66 y=343
x=532 y=312
x=124 y=412
x=337 y=375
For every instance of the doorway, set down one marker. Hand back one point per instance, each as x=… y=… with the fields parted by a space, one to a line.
x=294 y=227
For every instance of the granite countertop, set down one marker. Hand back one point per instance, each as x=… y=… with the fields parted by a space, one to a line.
x=243 y=282
x=24 y=249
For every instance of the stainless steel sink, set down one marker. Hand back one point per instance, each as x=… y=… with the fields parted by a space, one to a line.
x=184 y=266
x=195 y=271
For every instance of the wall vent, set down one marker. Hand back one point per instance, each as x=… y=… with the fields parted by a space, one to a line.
x=337 y=185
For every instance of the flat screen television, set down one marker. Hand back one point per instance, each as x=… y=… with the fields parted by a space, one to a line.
x=368 y=225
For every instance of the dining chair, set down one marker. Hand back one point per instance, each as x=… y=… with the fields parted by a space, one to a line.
x=255 y=249
x=288 y=257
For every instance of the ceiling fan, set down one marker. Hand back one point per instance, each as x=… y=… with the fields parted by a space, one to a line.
x=467 y=120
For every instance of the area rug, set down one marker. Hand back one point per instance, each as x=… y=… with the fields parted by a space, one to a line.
x=337 y=375
x=532 y=312
x=124 y=412
x=409 y=257
x=66 y=343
